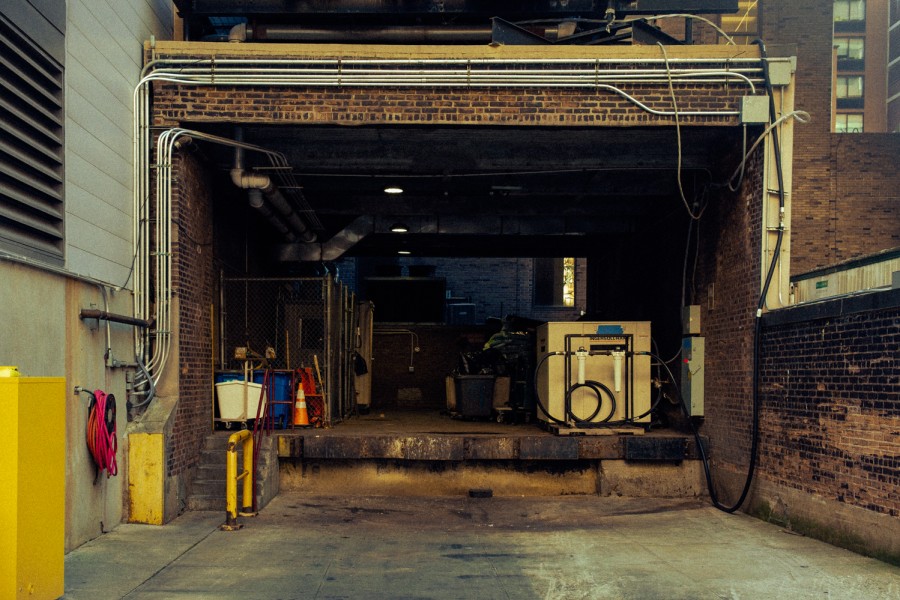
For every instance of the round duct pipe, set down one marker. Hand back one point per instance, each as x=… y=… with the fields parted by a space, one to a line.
x=255 y=198
x=413 y=34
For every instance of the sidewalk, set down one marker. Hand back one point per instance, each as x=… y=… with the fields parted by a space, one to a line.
x=548 y=548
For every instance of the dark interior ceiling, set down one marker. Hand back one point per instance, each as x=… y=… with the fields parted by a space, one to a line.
x=489 y=191
x=472 y=190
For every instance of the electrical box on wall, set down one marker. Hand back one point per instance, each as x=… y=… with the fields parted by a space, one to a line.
x=610 y=362
x=690 y=320
x=754 y=110
x=693 y=350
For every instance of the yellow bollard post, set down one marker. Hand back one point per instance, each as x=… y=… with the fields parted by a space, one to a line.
x=247 y=509
x=232 y=477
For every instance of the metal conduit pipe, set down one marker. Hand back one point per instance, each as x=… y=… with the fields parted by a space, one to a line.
x=260 y=72
x=103 y=315
x=160 y=251
x=251 y=64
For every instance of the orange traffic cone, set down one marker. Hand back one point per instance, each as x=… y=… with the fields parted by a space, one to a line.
x=301 y=416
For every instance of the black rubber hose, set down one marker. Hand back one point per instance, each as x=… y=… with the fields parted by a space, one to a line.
x=598 y=388
x=754 y=434
x=537 y=392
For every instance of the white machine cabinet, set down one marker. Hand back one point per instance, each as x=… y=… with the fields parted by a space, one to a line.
x=626 y=403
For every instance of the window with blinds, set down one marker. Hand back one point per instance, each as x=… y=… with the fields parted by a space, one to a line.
x=31 y=148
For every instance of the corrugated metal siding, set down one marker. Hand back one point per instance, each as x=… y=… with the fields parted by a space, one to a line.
x=845 y=281
x=104 y=44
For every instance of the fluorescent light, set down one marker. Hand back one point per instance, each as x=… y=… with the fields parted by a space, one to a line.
x=399 y=228
x=404 y=252
x=393 y=189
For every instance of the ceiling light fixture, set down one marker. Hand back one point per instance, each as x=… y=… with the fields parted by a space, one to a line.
x=399 y=228
x=404 y=252
x=393 y=189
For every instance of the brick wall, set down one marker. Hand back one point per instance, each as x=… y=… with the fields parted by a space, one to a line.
x=830 y=386
x=846 y=188
x=394 y=386
x=531 y=106
x=727 y=291
x=193 y=289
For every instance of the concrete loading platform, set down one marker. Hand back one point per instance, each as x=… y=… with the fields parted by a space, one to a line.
x=420 y=452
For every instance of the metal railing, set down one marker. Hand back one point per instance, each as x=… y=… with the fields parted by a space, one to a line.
x=232 y=477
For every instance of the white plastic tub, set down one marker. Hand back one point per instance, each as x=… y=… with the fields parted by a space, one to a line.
x=238 y=400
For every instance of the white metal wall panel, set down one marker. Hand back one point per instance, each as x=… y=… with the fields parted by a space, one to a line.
x=104 y=47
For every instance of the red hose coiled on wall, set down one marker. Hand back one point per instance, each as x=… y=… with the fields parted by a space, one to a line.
x=101 y=432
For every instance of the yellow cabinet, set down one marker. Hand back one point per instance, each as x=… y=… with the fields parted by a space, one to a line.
x=32 y=487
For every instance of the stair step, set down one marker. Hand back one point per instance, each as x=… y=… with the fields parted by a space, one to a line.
x=208 y=485
x=206 y=502
x=221 y=456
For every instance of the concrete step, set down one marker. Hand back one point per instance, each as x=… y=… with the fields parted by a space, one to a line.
x=206 y=502
x=208 y=485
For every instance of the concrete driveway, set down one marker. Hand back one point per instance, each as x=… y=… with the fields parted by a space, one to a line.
x=303 y=546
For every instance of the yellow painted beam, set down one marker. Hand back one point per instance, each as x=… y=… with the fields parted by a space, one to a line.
x=399 y=51
x=32 y=487
x=146 y=478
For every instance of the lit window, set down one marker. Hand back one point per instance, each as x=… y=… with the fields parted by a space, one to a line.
x=554 y=281
x=568 y=282
x=849 y=86
x=848 y=123
x=849 y=10
x=850 y=48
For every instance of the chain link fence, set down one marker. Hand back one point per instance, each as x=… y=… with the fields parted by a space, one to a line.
x=306 y=322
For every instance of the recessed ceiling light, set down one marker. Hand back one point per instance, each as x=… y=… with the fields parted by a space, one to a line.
x=404 y=252
x=393 y=189
x=399 y=228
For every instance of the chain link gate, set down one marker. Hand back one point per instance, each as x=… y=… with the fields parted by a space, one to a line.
x=308 y=322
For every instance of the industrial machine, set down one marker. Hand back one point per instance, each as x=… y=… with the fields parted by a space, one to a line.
x=594 y=374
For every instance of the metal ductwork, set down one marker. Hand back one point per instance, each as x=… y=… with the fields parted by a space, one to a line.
x=353 y=34
x=334 y=248
x=255 y=199
x=284 y=212
x=439 y=8
x=263 y=195
x=450 y=22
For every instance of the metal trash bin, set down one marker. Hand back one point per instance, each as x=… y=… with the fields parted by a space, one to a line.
x=474 y=395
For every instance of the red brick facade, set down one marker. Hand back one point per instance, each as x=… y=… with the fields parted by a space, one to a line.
x=728 y=292
x=830 y=384
x=193 y=290
x=846 y=190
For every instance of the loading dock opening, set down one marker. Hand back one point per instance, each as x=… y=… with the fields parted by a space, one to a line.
x=614 y=170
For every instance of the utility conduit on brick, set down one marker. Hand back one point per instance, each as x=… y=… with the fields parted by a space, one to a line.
x=598 y=74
